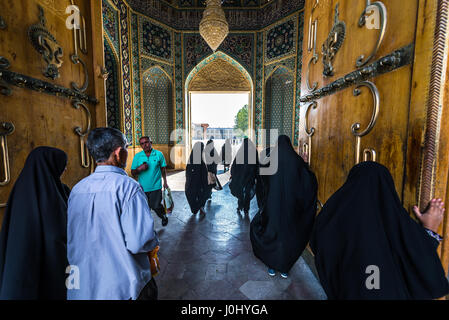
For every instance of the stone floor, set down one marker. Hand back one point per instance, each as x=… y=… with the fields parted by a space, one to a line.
x=209 y=257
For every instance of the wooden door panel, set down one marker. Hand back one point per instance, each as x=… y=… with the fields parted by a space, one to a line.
x=43 y=119
x=333 y=144
x=411 y=122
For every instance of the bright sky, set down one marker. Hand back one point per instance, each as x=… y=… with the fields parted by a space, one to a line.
x=218 y=110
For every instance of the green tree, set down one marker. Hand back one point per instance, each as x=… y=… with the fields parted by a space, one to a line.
x=241 y=120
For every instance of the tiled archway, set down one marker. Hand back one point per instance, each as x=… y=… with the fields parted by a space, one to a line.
x=203 y=64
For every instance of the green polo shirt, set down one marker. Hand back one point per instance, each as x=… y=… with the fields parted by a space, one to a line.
x=150 y=179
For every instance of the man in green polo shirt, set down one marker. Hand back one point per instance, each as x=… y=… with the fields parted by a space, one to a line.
x=148 y=166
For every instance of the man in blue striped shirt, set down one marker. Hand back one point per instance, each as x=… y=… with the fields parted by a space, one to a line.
x=110 y=227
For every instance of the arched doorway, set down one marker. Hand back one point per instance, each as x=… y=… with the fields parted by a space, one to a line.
x=218 y=73
x=157 y=105
x=278 y=107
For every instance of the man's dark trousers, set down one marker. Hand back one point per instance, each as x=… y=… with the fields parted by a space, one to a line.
x=155 y=203
x=149 y=292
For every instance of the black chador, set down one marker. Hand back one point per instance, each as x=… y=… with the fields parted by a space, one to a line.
x=262 y=180
x=212 y=160
x=211 y=156
x=244 y=171
x=33 y=239
x=196 y=187
x=281 y=229
x=368 y=247
x=226 y=154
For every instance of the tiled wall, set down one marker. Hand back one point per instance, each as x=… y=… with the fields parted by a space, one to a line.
x=112 y=87
x=283 y=54
x=158 y=103
x=143 y=44
x=279 y=101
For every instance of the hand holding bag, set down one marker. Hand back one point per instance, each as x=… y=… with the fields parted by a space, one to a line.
x=211 y=179
x=154 y=261
x=217 y=186
x=168 y=201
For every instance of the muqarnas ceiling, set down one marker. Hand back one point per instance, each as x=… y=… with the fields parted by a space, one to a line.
x=225 y=3
x=241 y=14
x=219 y=75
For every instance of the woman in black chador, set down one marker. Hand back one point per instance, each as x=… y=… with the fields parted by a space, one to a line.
x=262 y=180
x=244 y=172
x=226 y=154
x=212 y=160
x=196 y=188
x=281 y=229
x=33 y=239
x=367 y=246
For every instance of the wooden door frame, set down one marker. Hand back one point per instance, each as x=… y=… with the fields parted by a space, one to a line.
x=428 y=137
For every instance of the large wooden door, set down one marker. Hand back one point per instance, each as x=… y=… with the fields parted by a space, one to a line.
x=373 y=93
x=39 y=90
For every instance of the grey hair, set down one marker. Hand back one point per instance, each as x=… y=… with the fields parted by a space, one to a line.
x=101 y=142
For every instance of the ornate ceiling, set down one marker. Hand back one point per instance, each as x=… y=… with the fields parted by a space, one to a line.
x=225 y=3
x=241 y=14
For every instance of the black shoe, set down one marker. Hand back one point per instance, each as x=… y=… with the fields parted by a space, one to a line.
x=164 y=221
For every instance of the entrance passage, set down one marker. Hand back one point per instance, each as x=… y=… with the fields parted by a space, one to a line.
x=220 y=116
x=217 y=116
